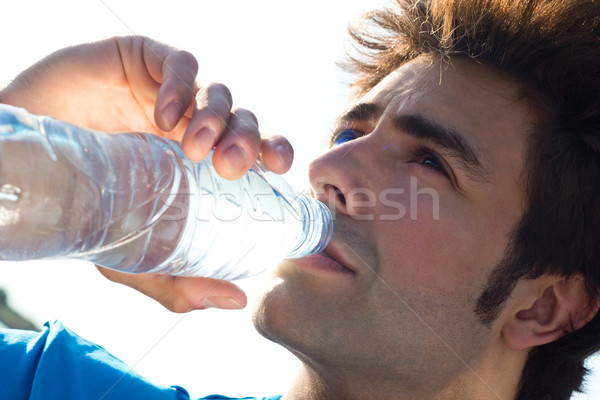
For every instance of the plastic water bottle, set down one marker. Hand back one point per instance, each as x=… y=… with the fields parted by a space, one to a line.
x=134 y=203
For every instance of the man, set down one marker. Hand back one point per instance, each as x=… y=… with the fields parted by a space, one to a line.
x=464 y=180
x=494 y=106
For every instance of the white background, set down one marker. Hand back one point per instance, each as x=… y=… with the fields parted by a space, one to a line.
x=278 y=59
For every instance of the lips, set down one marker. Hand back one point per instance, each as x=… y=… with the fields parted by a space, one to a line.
x=329 y=261
x=332 y=252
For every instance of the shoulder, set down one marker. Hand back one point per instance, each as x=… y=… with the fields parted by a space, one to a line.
x=86 y=370
x=219 y=397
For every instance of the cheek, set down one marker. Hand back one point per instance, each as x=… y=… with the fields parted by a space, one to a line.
x=426 y=301
x=439 y=249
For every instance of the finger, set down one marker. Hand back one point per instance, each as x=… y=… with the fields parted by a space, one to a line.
x=182 y=294
x=277 y=154
x=239 y=147
x=177 y=90
x=140 y=68
x=176 y=71
x=208 y=122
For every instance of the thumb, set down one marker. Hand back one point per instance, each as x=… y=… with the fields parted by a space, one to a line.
x=182 y=294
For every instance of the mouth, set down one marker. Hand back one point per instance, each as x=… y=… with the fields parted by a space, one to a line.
x=329 y=261
x=332 y=252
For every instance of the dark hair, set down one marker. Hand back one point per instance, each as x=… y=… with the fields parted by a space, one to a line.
x=552 y=48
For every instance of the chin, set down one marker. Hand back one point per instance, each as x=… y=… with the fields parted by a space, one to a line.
x=278 y=318
x=271 y=311
x=283 y=315
x=305 y=312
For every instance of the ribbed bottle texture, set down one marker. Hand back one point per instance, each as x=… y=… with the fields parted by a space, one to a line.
x=133 y=202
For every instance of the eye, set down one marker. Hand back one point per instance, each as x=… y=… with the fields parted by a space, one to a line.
x=432 y=161
x=346 y=135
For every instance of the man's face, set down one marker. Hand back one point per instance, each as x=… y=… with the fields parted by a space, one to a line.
x=423 y=178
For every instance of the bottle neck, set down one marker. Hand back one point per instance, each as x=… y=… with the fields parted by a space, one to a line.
x=317 y=226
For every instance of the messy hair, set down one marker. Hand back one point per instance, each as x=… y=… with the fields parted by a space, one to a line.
x=552 y=48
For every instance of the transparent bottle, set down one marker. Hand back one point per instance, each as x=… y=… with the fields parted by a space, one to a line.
x=134 y=203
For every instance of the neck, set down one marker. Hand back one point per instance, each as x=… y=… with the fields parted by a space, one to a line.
x=495 y=380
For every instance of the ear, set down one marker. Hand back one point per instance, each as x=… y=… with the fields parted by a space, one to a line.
x=560 y=305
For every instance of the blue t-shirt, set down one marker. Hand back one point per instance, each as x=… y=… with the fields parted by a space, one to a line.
x=56 y=364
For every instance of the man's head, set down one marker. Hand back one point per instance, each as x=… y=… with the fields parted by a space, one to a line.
x=465 y=172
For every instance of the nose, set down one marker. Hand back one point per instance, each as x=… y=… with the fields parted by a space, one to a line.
x=338 y=178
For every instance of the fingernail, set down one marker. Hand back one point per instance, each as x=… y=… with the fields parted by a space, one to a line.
x=223 y=302
x=235 y=157
x=171 y=114
x=204 y=140
x=283 y=153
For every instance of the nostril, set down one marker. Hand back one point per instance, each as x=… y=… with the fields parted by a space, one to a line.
x=340 y=196
x=333 y=195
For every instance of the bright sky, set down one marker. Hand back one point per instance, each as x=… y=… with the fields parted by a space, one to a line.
x=278 y=59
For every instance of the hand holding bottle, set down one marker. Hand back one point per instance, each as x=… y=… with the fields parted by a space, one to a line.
x=137 y=84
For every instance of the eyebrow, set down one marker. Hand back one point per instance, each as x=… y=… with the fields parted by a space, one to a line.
x=419 y=127
x=360 y=112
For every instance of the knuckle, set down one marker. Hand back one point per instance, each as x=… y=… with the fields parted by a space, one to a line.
x=249 y=134
x=213 y=119
x=276 y=139
x=222 y=90
x=177 y=304
x=142 y=38
x=184 y=88
x=216 y=97
x=245 y=115
x=188 y=59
